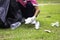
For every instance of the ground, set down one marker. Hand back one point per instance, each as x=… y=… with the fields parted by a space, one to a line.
x=49 y=14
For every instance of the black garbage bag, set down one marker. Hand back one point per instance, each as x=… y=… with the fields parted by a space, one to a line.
x=4 y=5
x=10 y=13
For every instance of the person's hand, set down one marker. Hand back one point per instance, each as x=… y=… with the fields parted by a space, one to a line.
x=28 y=20
x=33 y=18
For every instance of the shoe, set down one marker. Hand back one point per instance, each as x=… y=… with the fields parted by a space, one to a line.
x=15 y=25
x=37 y=25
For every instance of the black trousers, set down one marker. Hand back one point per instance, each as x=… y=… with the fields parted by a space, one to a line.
x=27 y=11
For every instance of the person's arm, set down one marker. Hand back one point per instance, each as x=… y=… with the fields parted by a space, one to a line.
x=37 y=11
x=35 y=4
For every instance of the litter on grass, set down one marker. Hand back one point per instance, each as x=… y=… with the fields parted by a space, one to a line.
x=55 y=24
x=48 y=31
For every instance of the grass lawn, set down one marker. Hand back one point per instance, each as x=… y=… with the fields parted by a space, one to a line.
x=49 y=1
x=28 y=32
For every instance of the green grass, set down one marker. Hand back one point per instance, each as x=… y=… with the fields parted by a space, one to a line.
x=28 y=32
x=49 y=1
